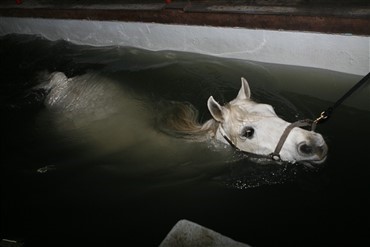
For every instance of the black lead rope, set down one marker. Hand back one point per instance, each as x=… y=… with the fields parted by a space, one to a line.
x=327 y=113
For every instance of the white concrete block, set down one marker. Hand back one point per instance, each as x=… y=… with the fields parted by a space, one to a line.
x=189 y=234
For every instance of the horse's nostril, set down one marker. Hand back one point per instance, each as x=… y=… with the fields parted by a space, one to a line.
x=323 y=150
x=306 y=149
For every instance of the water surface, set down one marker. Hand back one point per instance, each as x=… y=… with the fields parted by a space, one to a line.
x=62 y=187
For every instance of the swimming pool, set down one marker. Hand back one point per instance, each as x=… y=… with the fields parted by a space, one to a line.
x=61 y=186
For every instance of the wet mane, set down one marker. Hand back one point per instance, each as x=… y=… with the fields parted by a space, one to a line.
x=181 y=120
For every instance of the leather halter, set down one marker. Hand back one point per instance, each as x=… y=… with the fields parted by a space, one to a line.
x=276 y=154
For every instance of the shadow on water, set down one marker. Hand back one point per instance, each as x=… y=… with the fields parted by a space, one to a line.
x=60 y=190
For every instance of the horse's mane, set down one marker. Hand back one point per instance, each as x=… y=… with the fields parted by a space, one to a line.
x=181 y=119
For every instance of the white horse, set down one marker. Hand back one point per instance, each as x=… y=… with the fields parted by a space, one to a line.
x=242 y=123
x=252 y=128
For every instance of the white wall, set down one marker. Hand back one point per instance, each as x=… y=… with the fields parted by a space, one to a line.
x=343 y=53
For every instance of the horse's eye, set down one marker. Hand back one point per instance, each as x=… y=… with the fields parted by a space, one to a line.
x=248 y=132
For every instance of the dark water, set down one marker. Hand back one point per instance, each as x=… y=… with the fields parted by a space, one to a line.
x=56 y=190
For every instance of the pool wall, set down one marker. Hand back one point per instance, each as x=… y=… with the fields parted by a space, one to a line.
x=338 y=52
x=334 y=36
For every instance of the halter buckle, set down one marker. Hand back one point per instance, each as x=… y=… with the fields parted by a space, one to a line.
x=323 y=116
x=275 y=156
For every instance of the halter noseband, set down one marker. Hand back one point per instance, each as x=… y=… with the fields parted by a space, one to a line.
x=276 y=154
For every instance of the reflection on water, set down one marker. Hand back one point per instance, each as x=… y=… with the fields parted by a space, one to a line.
x=66 y=176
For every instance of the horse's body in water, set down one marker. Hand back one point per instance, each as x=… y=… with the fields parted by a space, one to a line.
x=242 y=123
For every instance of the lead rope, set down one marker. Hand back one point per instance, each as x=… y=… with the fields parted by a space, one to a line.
x=327 y=113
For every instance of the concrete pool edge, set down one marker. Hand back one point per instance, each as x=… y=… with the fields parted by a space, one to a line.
x=338 y=52
x=186 y=233
x=286 y=15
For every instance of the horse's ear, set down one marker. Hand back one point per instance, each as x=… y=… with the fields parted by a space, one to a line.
x=215 y=109
x=244 y=92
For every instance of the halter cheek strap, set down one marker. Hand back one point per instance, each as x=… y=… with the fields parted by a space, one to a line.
x=276 y=154
x=224 y=135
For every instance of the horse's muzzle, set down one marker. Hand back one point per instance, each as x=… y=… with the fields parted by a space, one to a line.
x=317 y=152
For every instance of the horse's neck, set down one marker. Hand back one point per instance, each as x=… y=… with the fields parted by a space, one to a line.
x=214 y=133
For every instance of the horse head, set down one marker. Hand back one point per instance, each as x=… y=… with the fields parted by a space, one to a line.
x=255 y=128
